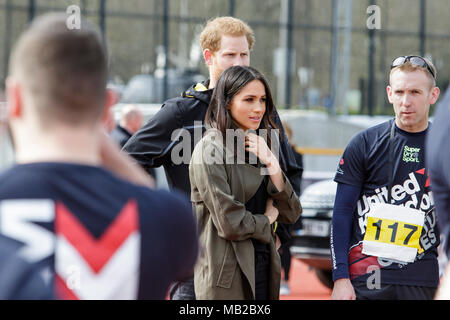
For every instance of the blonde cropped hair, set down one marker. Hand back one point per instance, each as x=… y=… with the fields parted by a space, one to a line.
x=410 y=67
x=217 y=27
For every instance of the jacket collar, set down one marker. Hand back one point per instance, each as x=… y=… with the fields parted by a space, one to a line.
x=199 y=91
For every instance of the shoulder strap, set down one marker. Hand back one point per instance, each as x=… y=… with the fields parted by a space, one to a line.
x=391 y=169
x=391 y=161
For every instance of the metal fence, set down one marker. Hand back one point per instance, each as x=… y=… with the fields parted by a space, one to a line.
x=327 y=54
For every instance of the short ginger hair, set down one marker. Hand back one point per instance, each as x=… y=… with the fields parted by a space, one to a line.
x=217 y=27
x=409 y=67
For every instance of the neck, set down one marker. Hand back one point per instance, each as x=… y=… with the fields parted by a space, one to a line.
x=212 y=84
x=412 y=128
x=212 y=79
x=58 y=145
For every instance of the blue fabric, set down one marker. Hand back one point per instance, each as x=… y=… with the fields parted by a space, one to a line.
x=94 y=200
x=341 y=228
x=19 y=279
x=438 y=155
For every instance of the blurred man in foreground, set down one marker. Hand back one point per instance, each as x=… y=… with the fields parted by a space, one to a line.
x=92 y=234
x=438 y=153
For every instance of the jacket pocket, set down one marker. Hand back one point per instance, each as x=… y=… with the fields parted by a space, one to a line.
x=228 y=268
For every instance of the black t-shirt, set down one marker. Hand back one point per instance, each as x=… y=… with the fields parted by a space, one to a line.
x=95 y=235
x=257 y=205
x=365 y=164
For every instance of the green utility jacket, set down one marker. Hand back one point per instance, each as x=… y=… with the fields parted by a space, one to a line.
x=226 y=268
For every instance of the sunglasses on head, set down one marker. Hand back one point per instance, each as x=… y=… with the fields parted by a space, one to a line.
x=415 y=60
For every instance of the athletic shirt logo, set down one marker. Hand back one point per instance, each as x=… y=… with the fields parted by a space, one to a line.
x=410 y=154
x=85 y=267
x=89 y=268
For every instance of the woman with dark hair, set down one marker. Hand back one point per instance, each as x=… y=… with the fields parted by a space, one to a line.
x=239 y=192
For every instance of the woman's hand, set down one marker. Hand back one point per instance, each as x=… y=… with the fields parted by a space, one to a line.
x=271 y=211
x=258 y=146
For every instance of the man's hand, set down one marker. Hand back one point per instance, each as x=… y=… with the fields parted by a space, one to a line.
x=343 y=290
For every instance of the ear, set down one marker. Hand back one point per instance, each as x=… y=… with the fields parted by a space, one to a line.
x=111 y=98
x=208 y=56
x=389 y=93
x=14 y=98
x=434 y=95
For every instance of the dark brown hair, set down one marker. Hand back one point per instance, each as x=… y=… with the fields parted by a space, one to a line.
x=230 y=83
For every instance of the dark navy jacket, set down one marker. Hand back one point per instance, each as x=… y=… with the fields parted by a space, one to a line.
x=91 y=234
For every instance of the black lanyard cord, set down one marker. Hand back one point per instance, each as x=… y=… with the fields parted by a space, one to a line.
x=391 y=169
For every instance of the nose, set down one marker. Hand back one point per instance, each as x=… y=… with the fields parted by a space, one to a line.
x=259 y=107
x=238 y=61
x=406 y=100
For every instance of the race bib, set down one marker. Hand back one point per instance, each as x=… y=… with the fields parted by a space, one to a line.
x=393 y=232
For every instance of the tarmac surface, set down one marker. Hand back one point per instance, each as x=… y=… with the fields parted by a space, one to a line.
x=304 y=284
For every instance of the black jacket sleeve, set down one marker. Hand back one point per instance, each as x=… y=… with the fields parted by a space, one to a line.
x=151 y=145
x=288 y=163
x=293 y=171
